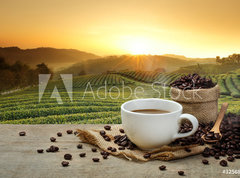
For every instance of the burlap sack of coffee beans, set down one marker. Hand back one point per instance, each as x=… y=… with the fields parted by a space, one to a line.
x=202 y=103
x=165 y=153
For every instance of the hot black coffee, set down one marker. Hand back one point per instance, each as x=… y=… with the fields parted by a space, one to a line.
x=150 y=111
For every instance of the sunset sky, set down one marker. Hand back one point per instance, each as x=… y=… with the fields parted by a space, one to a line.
x=194 y=28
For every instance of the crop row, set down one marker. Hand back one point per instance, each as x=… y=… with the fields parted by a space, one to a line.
x=234 y=91
x=28 y=113
x=61 y=119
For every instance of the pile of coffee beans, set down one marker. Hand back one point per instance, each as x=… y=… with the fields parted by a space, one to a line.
x=192 y=81
x=123 y=142
x=228 y=145
x=212 y=136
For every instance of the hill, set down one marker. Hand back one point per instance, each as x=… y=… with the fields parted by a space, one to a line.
x=199 y=60
x=208 y=69
x=55 y=58
x=130 y=62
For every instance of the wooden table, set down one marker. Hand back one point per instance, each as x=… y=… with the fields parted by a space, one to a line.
x=19 y=158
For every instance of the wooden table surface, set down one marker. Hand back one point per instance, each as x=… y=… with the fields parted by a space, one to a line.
x=19 y=158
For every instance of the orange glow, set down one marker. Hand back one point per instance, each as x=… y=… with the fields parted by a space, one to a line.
x=192 y=28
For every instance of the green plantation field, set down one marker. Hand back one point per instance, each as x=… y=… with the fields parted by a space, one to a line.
x=97 y=98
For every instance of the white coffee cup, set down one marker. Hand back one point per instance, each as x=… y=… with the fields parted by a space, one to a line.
x=149 y=131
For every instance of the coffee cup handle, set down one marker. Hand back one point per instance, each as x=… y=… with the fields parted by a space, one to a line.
x=194 y=122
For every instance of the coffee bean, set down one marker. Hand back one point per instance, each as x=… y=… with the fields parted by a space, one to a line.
x=147 y=155
x=82 y=154
x=75 y=133
x=187 y=149
x=79 y=146
x=121 y=148
x=68 y=156
x=40 y=150
x=163 y=167
x=181 y=173
x=22 y=133
x=216 y=157
x=109 y=148
x=59 y=134
x=102 y=132
x=102 y=152
x=95 y=159
x=230 y=158
x=65 y=163
x=94 y=149
x=52 y=139
x=105 y=156
x=107 y=127
x=69 y=131
x=121 y=130
x=106 y=138
x=204 y=161
x=237 y=157
x=52 y=149
x=113 y=150
x=223 y=163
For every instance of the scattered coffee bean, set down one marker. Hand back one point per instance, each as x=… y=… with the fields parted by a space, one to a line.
x=22 y=133
x=191 y=82
x=237 y=157
x=107 y=127
x=109 y=148
x=121 y=148
x=94 y=149
x=52 y=139
x=82 y=154
x=59 y=134
x=40 y=150
x=79 y=146
x=107 y=138
x=230 y=158
x=69 y=131
x=52 y=149
x=187 y=149
x=65 y=163
x=121 y=130
x=75 y=133
x=113 y=150
x=216 y=157
x=223 y=163
x=147 y=155
x=102 y=132
x=68 y=156
x=204 y=161
x=105 y=156
x=163 y=167
x=95 y=159
x=181 y=173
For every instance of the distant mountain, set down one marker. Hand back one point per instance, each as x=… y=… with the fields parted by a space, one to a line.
x=129 y=62
x=200 y=60
x=55 y=58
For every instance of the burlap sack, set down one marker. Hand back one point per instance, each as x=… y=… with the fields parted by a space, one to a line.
x=165 y=153
x=202 y=103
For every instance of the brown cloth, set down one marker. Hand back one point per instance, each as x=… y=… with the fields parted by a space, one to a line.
x=202 y=103
x=165 y=153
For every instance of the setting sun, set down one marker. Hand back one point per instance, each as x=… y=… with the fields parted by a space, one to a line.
x=139 y=47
